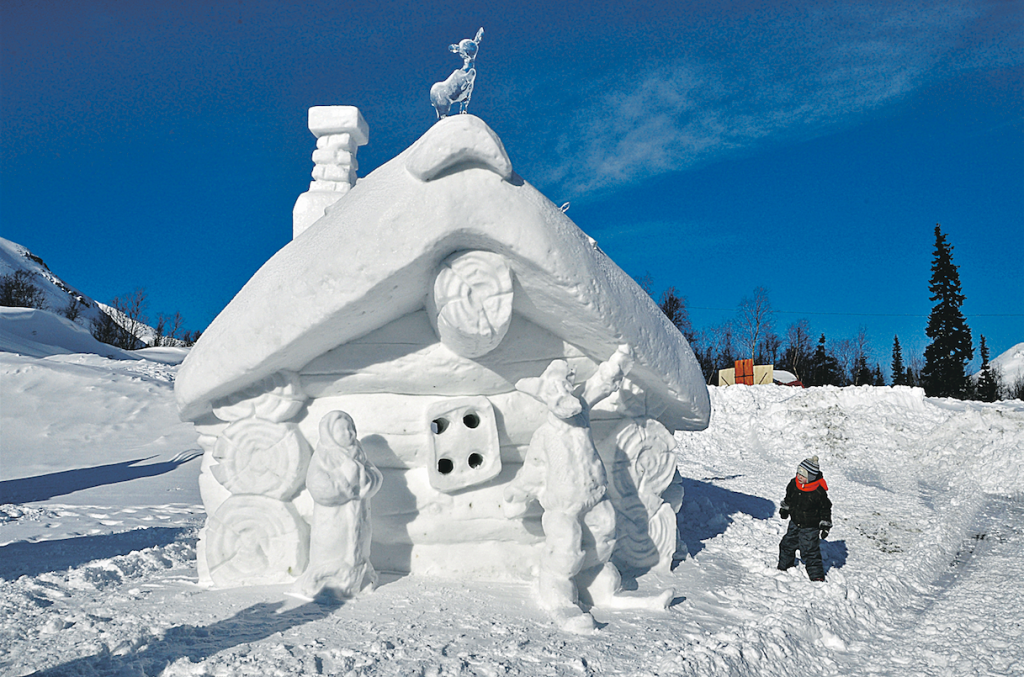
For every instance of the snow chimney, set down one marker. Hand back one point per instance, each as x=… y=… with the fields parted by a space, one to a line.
x=339 y=131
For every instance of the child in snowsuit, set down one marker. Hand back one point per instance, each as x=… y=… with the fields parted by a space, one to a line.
x=810 y=513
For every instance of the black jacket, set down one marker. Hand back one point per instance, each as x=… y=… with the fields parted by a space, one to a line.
x=807 y=508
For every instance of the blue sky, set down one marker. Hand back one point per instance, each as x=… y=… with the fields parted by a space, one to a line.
x=808 y=148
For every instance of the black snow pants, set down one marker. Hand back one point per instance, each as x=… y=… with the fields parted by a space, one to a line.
x=804 y=539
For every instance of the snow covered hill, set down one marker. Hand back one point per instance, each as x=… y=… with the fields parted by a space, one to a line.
x=1010 y=365
x=101 y=512
x=57 y=294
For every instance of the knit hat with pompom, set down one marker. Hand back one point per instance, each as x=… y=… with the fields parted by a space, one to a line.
x=809 y=467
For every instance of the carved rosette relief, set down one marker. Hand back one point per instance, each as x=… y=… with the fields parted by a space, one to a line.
x=256 y=535
x=470 y=306
x=262 y=458
x=647 y=497
x=276 y=398
x=254 y=540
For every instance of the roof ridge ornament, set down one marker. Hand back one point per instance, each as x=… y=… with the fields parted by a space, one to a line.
x=457 y=143
x=457 y=88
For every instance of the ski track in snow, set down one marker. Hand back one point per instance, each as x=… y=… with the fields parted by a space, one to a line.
x=923 y=565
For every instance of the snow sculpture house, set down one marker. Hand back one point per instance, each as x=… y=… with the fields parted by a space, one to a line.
x=415 y=304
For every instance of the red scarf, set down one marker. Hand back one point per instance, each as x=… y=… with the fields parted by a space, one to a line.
x=811 y=486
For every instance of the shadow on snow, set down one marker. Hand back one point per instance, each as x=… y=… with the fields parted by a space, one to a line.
x=834 y=554
x=31 y=559
x=707 y=511
x=196 y=643
x=44 y=487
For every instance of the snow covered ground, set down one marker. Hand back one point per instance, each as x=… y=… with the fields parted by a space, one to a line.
x=100 y=514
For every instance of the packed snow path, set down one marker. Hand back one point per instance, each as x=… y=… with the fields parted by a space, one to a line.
x=923 y=565
x=971 y=623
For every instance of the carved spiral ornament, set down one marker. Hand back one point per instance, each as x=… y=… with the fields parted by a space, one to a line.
x=664 y=532
x=652 y=461
x=259 y=457
x=471 y=303
x=276 y=398
x=254 y=540
x=648 y=532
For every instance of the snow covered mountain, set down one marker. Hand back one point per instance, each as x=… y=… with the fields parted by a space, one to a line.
x=100 y=510
x=57 y=294
x=1010 y=364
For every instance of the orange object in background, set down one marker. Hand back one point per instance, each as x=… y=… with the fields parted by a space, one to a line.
x=745 y=372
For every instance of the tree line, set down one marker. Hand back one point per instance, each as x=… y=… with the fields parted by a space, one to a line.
x=941 y=371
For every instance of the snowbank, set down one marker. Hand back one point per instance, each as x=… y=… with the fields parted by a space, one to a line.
x=871 y=431
x=39 y=333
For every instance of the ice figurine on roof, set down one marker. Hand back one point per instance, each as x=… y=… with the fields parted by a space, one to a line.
x=458 y=87
x=414 y=326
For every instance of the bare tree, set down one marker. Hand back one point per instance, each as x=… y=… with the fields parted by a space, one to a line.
x=132 y=306
x=74 y=308
x=768 y=348
x=105 y=330
x=646 y=283
x=915 y=363
x=859 y=372
x=799 y=348
x=167 y=328
x=18 y=290
x=190 y=337
x=755 y=320
x=1010 y=388
x=122 y=327
x=704 y=351
x=845 y=352
x=721 y=349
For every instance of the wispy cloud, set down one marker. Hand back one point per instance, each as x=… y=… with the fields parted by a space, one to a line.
x=795 y=76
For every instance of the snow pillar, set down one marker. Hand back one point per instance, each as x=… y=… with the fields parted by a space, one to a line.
x=339 y=131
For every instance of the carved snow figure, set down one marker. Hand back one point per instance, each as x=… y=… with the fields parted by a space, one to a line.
x=341 y=481
x=564 y=472
x=457 y=87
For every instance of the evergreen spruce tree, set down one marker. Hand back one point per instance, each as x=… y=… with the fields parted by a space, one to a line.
x=879 y=377
x=946 y=357
x=824 y=368
x=899 y=377
x=862 y=375
x=674 y=307
x=986 y=389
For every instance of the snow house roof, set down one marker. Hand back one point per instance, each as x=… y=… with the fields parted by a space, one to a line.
x=373 y=257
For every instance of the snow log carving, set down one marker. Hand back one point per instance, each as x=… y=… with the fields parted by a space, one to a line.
x=257 y=465
x=262 y=458
x=471 y=304
x=646 y=496
x=276 y=398
x=254 y=540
